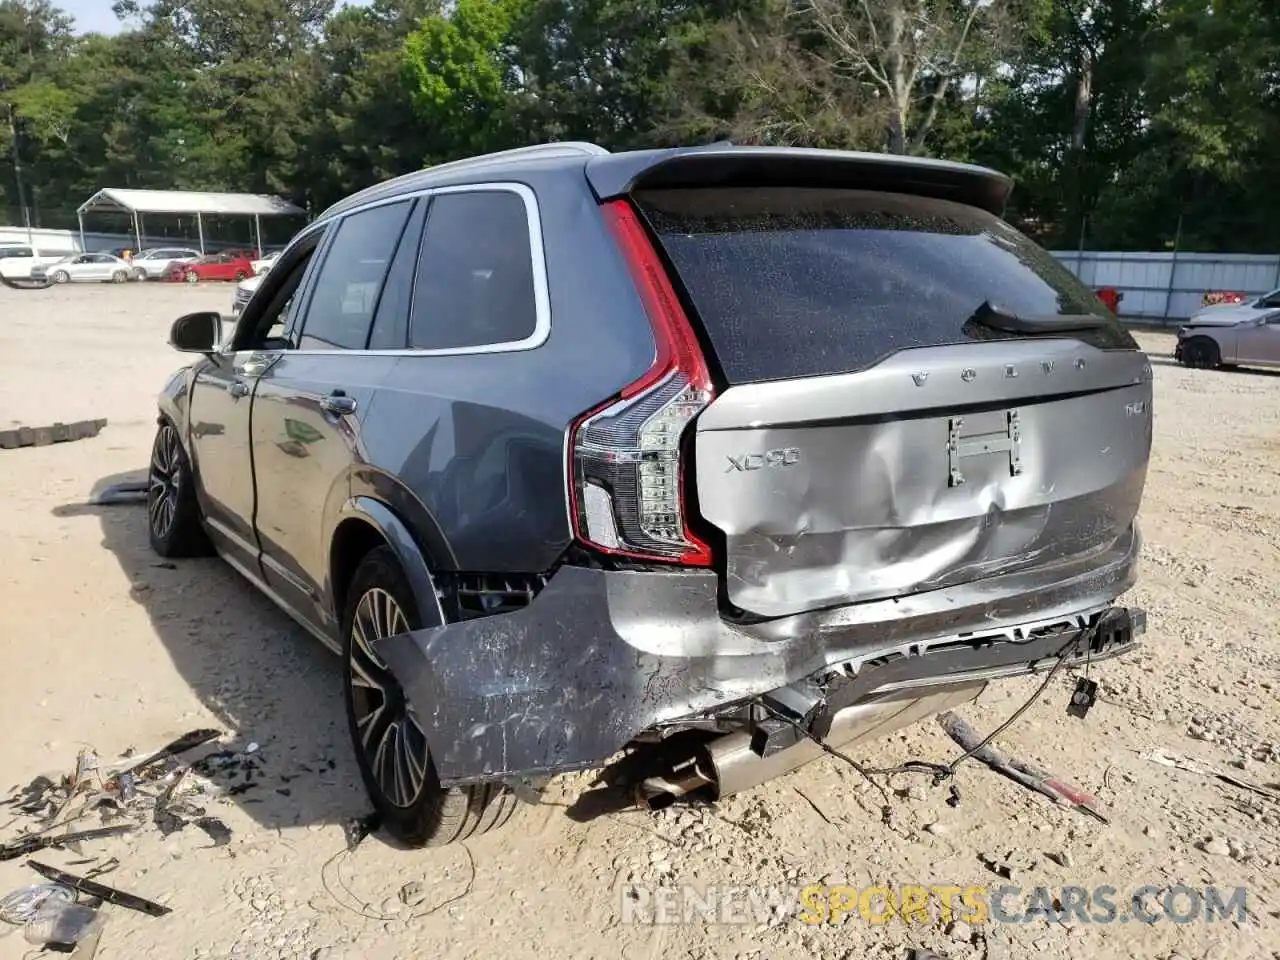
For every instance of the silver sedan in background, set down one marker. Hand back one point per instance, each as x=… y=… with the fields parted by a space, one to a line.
x=101 y=267
x=1225 y=339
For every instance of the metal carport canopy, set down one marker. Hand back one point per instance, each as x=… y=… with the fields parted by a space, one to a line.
x=200 y=203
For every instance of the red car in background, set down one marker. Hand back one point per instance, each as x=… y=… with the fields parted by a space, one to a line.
x=229 y=265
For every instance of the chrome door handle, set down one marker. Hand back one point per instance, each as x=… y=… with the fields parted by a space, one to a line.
x=253 y=367
x=338 y=403
x=238 y=388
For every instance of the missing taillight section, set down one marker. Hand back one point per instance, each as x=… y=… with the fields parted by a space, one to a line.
x=626 y=460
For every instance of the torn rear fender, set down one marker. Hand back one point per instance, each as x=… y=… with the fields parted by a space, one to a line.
x=601 y=656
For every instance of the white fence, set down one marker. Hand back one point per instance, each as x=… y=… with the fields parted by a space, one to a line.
x=68 y=241
x=1170 y=286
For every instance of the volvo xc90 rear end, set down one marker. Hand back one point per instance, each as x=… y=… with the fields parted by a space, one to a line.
x=885 y=451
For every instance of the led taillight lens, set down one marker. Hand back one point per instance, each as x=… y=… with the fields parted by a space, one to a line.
x=627 y=464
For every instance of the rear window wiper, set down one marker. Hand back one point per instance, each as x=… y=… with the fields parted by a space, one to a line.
x=1000 y=318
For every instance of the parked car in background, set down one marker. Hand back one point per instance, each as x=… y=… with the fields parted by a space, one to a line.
x=1221 y=337
x=215 y=266
x=84 y=267
x=244 y=290
x=156 y=263
x=263 y=265
x=1231 y=311
x=565 y=451
x=17 y=260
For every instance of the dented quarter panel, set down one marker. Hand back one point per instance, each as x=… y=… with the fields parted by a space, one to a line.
x=937 y=466
x=601 y=656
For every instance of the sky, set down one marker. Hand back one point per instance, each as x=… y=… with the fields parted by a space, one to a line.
x=95 y=16
x=92 y=16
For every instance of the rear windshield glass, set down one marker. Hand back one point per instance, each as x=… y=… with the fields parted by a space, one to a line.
x=796 y=282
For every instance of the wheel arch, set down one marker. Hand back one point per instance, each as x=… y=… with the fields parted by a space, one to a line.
x=363 y=524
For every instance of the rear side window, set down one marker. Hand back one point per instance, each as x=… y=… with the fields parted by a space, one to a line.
x=346 y=290
x=15 y=253
x=474 y=284
x=796 y=282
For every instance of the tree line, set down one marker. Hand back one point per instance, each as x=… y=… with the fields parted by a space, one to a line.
x=1126 y=124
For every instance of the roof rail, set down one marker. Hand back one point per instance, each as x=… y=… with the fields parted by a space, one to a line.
x=537 y=151
x=567 y=148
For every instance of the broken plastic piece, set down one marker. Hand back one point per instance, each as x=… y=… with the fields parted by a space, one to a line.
x=64 y=922
x=25 y=845
x=188 y=741
x=1083 y=698
x=20 y=906
x=100 y=890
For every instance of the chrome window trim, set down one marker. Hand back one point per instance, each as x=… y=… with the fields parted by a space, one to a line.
x=537 y=252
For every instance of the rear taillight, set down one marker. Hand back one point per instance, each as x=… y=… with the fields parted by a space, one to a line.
x=626 y=467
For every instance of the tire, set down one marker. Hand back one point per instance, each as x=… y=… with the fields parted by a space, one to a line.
x=380 y=603
x=190 y=277
x=173 y=515
x=61 y=276
x=120 y=276
x=1202 y=353
x=139 y=274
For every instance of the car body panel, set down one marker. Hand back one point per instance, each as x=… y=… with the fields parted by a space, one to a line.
x=1258 y=343
x=598 y=657
x=938 y=466
x=619 y=175
x=218 y=413
x=302 y=458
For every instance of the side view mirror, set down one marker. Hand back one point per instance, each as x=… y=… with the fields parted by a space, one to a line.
x=196 y=332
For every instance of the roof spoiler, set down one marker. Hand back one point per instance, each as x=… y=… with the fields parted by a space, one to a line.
x=726 y=165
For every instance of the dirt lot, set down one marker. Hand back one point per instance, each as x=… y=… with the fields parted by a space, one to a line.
x=105 y=646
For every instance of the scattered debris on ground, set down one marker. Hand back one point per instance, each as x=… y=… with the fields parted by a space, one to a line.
x=159 y=787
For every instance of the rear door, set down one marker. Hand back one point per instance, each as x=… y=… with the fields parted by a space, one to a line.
x=918 y=396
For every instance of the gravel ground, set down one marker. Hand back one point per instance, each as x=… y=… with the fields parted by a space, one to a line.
x=103 y=645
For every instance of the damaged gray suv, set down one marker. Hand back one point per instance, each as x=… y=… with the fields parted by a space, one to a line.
x=676 y=463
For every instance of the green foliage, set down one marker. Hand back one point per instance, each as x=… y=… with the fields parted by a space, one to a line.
x=1125 y=123
x=459 y=71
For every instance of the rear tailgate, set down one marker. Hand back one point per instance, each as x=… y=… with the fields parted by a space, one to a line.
x=875 y=440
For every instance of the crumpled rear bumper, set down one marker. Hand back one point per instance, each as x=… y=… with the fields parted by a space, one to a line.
x=599 y=657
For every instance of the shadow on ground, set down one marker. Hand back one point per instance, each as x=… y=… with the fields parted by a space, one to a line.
x=265 y=679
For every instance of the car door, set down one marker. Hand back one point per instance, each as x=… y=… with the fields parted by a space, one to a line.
x=99 y=267
x=1260 y=342
x=219 y=417
x=310 y=405
x=81 y=267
